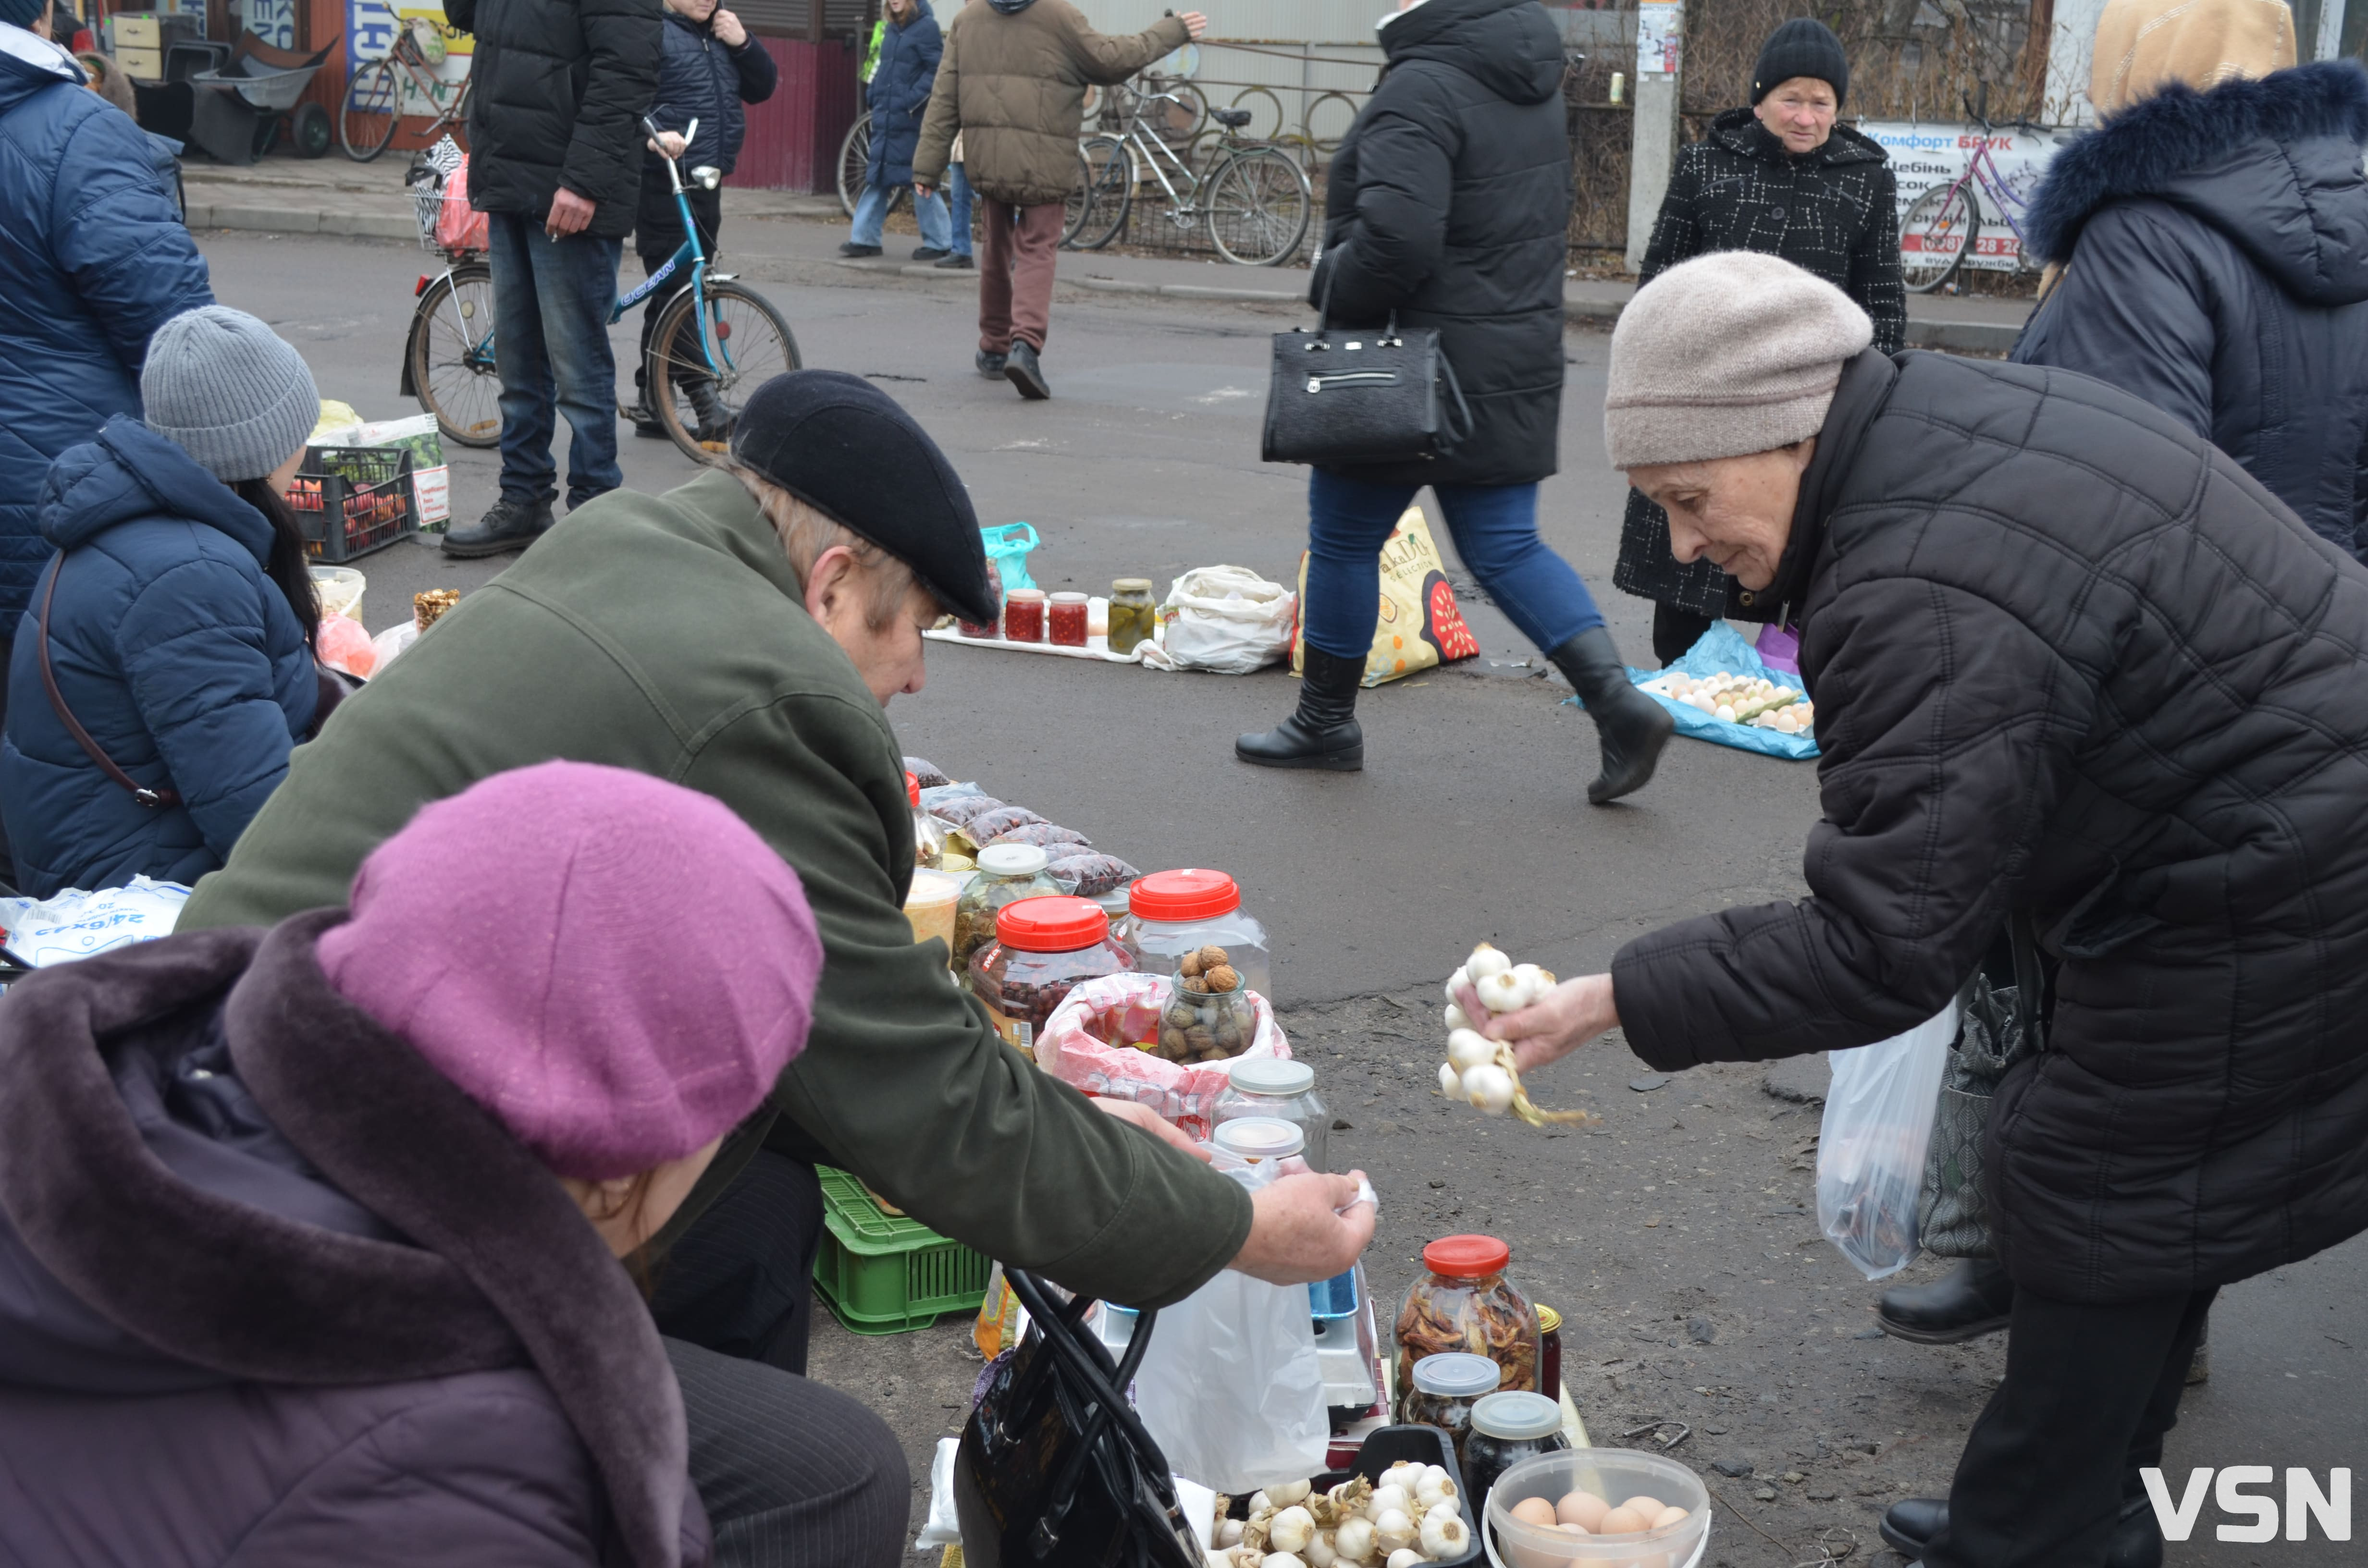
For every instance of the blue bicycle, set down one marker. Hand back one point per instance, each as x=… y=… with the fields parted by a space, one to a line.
x=716 y=343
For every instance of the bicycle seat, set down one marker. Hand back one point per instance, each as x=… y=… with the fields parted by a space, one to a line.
x=1235 y=118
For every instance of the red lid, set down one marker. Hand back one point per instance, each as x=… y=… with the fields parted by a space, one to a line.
x=1466 y=1257
x=913 y=786
x=1183 y=896
x=1051 y=923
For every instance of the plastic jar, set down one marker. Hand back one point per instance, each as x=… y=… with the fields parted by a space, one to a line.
x=1549 y=1351
x=1465 y=1301
x=1262 y=1087
x=1023 y=614
x=1441 y=1391
x=1175 y=912
x=1006 y=873
x=1065 y=620
x=1507 y=1428
x=930 y=906
x=1043 y=948
x=928 y=838
x=1133 y=615
x=1260 y=1138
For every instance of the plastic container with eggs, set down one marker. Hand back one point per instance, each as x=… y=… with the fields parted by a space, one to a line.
x=1589 y=1506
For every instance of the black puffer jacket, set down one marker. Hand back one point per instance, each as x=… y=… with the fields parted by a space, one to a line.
x=2217 y=266
x=2070 y=659
x=560 y=89
x=1834 y=212
x=1449 y=204
x=702 y=78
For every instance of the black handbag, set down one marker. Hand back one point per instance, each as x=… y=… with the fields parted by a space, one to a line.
x=1055 y=1468
x=1340 y=396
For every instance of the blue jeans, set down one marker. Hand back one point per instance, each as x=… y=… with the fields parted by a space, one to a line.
x=552 y=299
x=871 y=215
x=958 y=190
x=1496 y=531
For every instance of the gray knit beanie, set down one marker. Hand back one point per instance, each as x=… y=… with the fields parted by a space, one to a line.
x=1726 y=355
x=225 y=389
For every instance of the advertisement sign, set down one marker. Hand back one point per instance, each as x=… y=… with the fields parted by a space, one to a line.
x=273 y=21
x=1924 y=154
x=1660 y=28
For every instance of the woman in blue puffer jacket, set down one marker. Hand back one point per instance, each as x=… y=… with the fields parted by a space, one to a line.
x=177 y=621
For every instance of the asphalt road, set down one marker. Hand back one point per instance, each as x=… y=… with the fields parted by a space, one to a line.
x=1678 y=1238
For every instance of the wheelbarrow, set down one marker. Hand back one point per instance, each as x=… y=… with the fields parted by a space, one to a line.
x=237 y=110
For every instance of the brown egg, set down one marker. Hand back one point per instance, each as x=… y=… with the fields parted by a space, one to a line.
x=1672 y=1515
x=1620 y=1521
x=1644 y=1507
x=1583 y=1509
x=1534 y=1511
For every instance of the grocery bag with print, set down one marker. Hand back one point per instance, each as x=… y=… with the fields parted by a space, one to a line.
x=1418 y=626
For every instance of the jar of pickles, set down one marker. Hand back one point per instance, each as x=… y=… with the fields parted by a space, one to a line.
x=1263 y=1086
x=1133 y=615
x=1043 y=948
x=1173 y=913
x=1464 y=1302
x=1006 y=873
x=1441 y=1391
x=1507 y=1427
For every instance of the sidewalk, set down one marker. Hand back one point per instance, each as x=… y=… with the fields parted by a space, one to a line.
x=336 y=195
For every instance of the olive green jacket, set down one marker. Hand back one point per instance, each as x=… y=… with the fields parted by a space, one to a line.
x=668 y=634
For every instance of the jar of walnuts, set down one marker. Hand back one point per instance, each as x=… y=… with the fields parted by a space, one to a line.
x=1209 y=1016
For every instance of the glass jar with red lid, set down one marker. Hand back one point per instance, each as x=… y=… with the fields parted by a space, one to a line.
x=1043 y=947
x=1173 y=913
x=1465 y=1301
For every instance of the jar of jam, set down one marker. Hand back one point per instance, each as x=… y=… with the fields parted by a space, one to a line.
x=1549 y=1351
x=1464 y=1302
x=1506 y=1429
x=1133 y=615
x=1043 y=948
x=982 y=629
x=1065 y=620
x=1006 y=873
x=1023 y=614
x=1442 y=1392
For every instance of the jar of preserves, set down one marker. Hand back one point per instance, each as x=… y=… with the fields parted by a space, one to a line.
x=1549 y=1351
x=1171 y=913
x=1065 y=620
x=1262 y=1087
x=1133 y=615
x=1465 y=1301
x=929 y=838
x=1006 y=873
x=1441 y=1391
x=1507 y=1428
x=1023 y=614
x=1043 y=948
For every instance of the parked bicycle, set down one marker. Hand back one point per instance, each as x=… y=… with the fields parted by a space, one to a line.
x=1255 y=199
x=1944 y=224
x=374 y=101
x=716 y=343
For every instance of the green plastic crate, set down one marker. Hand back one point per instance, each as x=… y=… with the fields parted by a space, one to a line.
x=883 y=1273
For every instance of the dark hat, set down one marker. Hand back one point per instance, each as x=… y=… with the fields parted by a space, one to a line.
x=1801 y=47
x=23 y=13
x=843 y=447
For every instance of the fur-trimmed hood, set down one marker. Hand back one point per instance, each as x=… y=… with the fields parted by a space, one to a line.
x=2274 y=163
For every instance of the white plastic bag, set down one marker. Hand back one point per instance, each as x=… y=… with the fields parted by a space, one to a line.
x=75 y=923
x=1871 y=1149
x=1225 y=619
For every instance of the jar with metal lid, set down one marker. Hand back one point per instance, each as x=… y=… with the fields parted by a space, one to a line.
x=1006 y=873
x=1464 y=1302
x=1133 y=614
x=1506 y=1429
x=1043 y=948
x=1173 y=914
x=928 y=838
x=1258 y=1139
x=1441 y=1391
x=1549 y=1351
x=1264 y=1087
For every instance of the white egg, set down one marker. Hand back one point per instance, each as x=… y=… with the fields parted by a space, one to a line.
x=1724 y=711
x=1486 y=961
x=1469 y=1048
x=1450 y=1082
x=1490 y=1087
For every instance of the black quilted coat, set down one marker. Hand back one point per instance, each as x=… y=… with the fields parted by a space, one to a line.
x=1834 y=212
x=2070 y=660
x=1449 y=204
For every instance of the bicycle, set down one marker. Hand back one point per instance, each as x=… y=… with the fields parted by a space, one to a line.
x=716 y=337
x=855 y=167
x=1258 y=200
x=374 y=101
x=1943 y=225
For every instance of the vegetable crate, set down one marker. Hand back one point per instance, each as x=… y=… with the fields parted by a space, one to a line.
x=884 y=1273
x=353 y=500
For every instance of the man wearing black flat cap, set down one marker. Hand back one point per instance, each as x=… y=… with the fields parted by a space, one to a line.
x=742 y=635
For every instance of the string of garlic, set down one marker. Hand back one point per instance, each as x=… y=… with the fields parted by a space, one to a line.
x=1482 y=1071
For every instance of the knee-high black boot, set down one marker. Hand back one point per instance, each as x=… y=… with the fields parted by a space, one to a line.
x=1632 y=726
x=1323 y=732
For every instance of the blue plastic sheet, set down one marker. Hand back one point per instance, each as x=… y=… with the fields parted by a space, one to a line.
x=1721 y=651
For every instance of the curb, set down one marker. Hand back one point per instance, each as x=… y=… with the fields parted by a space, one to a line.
x=301 y=221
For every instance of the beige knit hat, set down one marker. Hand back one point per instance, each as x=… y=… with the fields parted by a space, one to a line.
x=1726 y=355
x=2141 y=44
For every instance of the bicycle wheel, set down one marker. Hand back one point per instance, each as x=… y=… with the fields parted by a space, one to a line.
x=1936 y=236
x=451 y=355
x=1259 y=207
x=854 y=160
x=700 y=402
x=366 y=120
x=1105 y=191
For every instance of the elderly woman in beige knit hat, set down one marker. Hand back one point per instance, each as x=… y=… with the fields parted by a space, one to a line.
x=2082 y=687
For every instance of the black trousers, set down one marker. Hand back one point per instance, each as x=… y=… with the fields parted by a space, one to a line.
x=657 y=231
x=2090 y=1392
x=739 y=1280
x=1675 y=630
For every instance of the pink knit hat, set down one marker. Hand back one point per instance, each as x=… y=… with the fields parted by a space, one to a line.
x=616 y=967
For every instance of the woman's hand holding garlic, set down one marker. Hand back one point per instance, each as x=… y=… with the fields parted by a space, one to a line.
x=1558 y=1022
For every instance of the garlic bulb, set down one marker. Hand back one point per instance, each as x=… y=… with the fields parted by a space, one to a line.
x=1450 y=1082
x=1292 y=1530
x=1444 y=1533
x=1467 y=1048
x=1393 y=1529
x=1354 y=1540
x=1260 y=1503
x=1283 y=1560
x=1386 y=1496
x=1506 y=992
x=1485 y=962
x=1456 y=981
x=1483 y=1072
x=1456 y=1019
x=1319 y=1552
x=1434 y=1488
x=1229 y=1532
x=1290 y=1492
x=1212 y=1558
x=1406 y=1557
x=1490 y=1087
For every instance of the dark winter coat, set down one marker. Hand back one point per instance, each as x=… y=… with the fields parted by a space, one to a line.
x=1834 y=212
x=559 y=88
x=2216 y=265
x=275 y=1293
x=702 y=78
x=1448 y=203
x=94 y=260
x=899 y=94
x=2070 y=660
x=171 y=648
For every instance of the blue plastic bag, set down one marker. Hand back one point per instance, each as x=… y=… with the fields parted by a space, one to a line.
x=1721 y=651
x=1008 y=545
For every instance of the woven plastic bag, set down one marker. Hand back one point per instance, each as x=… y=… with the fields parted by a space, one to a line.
x=1871 y=1149
x=1089 y=1043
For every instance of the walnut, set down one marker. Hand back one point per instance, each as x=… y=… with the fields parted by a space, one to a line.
x=1222 y=978
x=1210 y=957
x=1195 y=987
x=1191 y=964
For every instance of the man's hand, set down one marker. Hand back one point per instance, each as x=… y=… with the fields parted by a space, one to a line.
x=669 y=142
x=1557 y=1023
x=923 y=191
x=1195 y=24
x=1298 y=1236
x=1159 y=1127
x=569 y=214
x=727 y=29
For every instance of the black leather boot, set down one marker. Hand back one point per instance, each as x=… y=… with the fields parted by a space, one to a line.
x=508 y=525
x=1632 y=726
x=1324 y=732
x=1977 y=1297
x=1909 y=1525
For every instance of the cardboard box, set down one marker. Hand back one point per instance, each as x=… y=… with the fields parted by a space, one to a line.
x=142 y=64
x=134 y=31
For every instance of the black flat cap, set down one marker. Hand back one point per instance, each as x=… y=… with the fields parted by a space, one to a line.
x=849 y=449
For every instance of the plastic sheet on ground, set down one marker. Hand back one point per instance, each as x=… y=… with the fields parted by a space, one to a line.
x=1723 y=651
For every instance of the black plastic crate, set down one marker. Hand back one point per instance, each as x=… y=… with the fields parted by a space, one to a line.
x=353 y=500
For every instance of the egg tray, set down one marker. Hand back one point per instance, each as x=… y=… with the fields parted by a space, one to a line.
x=1388 y=1446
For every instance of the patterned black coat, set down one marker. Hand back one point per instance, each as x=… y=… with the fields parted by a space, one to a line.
x=1834 y=212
